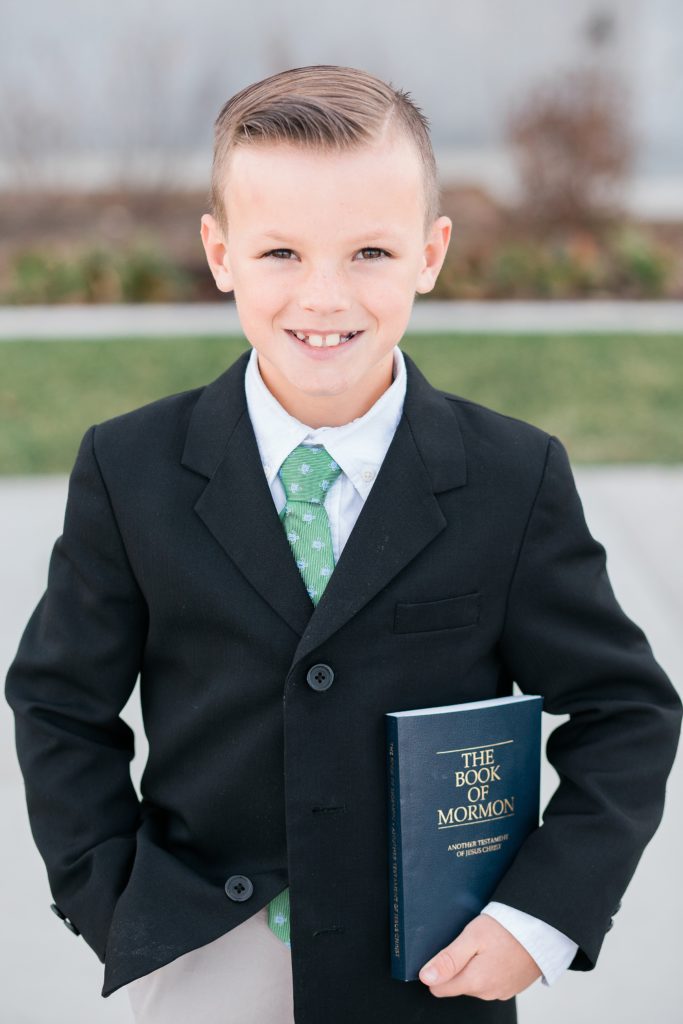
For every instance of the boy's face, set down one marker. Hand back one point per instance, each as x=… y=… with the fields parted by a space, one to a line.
x=323 y=242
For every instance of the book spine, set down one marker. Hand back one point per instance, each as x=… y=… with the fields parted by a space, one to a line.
x=396 y=919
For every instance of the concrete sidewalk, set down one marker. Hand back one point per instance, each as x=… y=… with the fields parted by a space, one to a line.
x=220 y=318
x=51 y=976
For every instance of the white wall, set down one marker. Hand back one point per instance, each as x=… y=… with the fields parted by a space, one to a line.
x=91 y=90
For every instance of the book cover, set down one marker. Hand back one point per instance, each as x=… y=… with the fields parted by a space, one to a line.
x=464 y=793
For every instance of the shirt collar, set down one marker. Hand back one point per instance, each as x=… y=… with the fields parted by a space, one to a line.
x=358 y=447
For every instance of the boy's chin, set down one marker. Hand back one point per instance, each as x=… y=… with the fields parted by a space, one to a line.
x=316 y=386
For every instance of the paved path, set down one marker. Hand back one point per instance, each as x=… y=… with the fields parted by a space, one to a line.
x=53 y=978
x=217 y=318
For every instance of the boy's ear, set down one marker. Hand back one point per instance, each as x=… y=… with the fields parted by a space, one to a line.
x=434 y=254
x=216 y=253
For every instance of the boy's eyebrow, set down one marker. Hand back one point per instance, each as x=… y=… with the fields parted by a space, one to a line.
x=368 y=236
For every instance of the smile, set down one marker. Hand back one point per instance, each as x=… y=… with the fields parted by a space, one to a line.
x=324 y=341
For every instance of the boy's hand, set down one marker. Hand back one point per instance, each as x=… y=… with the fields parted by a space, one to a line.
x=485 y=960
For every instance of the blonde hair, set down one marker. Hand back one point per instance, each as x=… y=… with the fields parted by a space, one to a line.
x=324 y=108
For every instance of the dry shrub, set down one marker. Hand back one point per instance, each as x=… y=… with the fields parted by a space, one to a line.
x=573 y=145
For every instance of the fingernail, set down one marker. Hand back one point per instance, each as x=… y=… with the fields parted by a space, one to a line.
x=430 y=974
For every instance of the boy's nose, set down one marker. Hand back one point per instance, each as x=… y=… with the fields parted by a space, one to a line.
x=324 y=291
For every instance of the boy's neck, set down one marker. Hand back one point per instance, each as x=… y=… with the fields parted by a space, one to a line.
x=328 y=410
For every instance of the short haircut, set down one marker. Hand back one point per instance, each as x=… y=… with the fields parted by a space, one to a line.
x=323 y=108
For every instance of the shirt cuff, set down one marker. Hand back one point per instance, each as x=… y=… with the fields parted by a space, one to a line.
x=552 y=950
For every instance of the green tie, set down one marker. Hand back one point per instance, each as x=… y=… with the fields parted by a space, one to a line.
x=307 y=474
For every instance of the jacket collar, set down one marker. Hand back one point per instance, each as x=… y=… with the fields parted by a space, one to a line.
x=399 y=518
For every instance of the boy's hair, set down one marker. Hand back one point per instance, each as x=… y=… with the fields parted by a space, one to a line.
x=324 y=108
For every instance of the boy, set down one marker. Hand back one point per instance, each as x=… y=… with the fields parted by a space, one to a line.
x=202 y=548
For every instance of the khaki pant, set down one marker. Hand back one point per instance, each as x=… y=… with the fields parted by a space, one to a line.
x=243 y=977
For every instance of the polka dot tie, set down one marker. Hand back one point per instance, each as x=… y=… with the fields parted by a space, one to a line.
x=306 y=474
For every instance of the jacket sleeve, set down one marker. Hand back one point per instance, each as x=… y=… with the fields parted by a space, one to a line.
x=566 y=637
x=74 y=670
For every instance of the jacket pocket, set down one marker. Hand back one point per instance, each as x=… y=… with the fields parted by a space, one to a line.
x=448 y=613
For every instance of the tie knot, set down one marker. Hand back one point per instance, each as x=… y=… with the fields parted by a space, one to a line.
x=308 y=473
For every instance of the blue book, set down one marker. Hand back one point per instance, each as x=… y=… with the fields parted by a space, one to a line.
x=464 y=793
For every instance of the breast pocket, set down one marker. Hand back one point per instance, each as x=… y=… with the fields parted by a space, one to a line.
x=448 y=613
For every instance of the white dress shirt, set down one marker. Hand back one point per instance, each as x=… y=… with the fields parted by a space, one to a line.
x=359 y=448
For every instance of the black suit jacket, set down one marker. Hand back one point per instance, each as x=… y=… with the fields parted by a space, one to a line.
x=173 y=564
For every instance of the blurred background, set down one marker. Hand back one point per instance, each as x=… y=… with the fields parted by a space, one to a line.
x=556 y=127
x=557 y=132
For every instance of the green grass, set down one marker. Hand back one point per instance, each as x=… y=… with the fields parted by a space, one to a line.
x=608 y=398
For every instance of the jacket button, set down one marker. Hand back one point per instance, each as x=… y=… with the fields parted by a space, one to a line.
x=611 y=922
x=239 y=887
x=320 y=677
x=62 y=917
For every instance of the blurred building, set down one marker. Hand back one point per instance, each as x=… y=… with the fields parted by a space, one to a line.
x=94 y=94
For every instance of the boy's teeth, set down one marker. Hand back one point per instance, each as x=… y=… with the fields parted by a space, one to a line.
x=318 y=341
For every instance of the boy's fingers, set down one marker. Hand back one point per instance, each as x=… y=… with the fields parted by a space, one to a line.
x=467 y=982
x=449 y=961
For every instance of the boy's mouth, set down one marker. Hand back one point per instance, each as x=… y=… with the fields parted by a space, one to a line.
x=323 y=341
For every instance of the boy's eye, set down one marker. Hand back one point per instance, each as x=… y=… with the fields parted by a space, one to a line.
x=382 y=252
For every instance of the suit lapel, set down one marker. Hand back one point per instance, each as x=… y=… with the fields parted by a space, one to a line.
x=236 y=505
x=401 y=514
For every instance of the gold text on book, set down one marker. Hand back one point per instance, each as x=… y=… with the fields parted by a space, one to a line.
x=478 y=772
